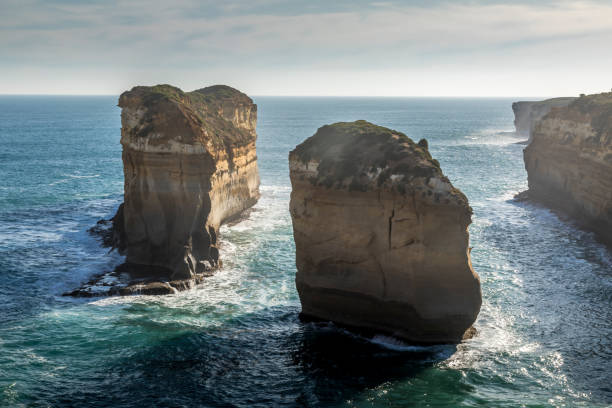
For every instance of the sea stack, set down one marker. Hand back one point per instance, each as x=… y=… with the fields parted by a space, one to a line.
x=527 y=113
x=381 y=235
x=190 y=164
x=569 y=162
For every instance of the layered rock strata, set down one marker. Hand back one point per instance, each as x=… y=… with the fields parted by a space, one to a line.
x=189 y=164
x=527 y=113
x=381 y=235
x=569 y=162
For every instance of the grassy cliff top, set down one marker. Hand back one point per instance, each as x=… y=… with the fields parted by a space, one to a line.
x=561 y=101
x=211 y=94
x=209 y=109
x=364 y=143
x=594 y=100
x=552 y=102
x=362 y=156
x=223 y=93
x=596 y=109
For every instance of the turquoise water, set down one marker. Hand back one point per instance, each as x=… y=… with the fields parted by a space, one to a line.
x=545 y=332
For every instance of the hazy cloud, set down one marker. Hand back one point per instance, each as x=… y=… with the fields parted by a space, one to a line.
x=276 y=47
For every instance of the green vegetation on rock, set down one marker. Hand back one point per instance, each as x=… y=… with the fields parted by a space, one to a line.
x=206 y=107
x=361 y=154
x=596 y=108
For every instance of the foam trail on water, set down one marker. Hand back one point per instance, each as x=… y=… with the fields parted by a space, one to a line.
x=237 y=288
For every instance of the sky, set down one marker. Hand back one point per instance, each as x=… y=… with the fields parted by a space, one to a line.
x=319 y=48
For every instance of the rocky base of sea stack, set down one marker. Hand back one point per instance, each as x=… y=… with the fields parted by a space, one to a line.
x=127 y=280
x=371 y=334
x=131 y=279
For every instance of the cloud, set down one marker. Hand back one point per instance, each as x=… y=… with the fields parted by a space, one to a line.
x=267 y=37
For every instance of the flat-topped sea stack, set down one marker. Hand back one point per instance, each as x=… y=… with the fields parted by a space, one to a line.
x=190 y=164
x=527 y=113
x=569 y=162
x=381 y=235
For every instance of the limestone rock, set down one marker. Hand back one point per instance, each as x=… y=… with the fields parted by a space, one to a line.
x=189 y=164
x=381 y=235
x=527 y=113
x=569 y=162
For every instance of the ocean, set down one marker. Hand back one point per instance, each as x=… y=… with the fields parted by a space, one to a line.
x=544 y=330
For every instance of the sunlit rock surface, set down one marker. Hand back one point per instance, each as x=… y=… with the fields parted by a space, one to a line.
x=381 y=235
x=190 y=164
x=569 y=162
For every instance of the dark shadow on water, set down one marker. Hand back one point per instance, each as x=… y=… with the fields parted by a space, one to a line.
x=339 y=364
x=264 y=359
x=575 y=228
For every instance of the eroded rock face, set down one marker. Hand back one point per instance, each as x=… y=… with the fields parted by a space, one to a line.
x=381 y=235
x=189 y=164
x=569 y=162
x=527 y=113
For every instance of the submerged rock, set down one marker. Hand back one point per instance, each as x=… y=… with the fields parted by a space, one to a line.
x=527 y=113
x=381 y=235
x=569 y=162
x=190 y=164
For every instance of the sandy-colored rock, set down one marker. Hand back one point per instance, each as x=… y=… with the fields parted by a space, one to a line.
x=381 y=235
x=527 y=113
x=189 y=164
x=569 y=162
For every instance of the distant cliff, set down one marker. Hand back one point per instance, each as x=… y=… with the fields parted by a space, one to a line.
x=569 y=162
x=381 y=235
x=527 y=113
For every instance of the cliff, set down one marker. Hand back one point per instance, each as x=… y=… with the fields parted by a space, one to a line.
x=569 y=162
x=381 y=235
x=527 y=113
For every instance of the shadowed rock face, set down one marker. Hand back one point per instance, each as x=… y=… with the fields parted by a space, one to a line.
x=569 y=162
x=189 y=164
x=527 y=113
x=381 y=235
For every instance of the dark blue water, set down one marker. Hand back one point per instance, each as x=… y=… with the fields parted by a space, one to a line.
x=545 y=334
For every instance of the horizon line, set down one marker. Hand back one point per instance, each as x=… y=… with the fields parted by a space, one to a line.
x=313 y=96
